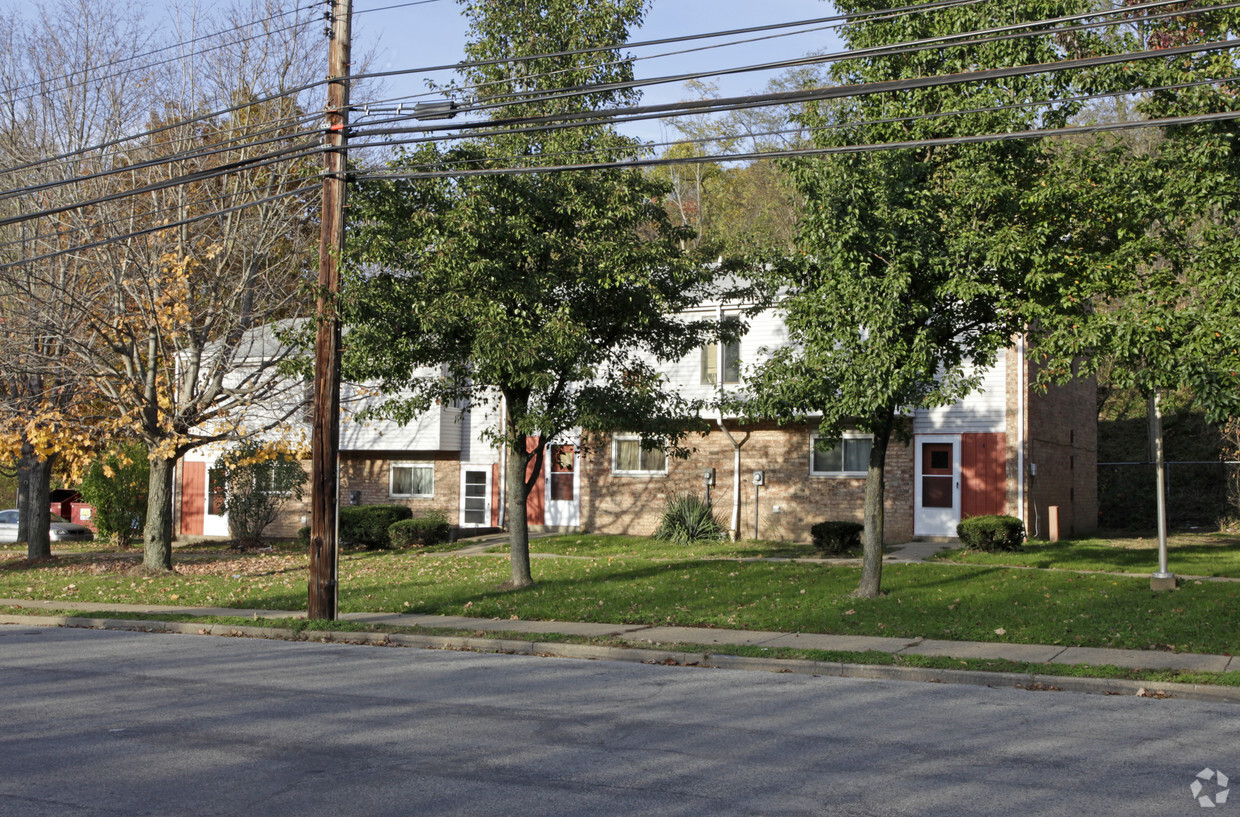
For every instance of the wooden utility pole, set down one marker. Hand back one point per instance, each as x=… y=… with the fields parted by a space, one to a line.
x=325 y=437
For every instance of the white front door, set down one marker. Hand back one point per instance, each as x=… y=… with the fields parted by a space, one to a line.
x=476 y=497
x=563 y=508
x=215 y=521
x=936 y=493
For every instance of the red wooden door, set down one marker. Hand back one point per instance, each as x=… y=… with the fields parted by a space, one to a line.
x=983 y=469
x=193 y=497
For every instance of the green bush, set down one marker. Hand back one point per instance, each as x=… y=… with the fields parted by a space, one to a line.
x=116 y=486
x=430 y=529
x=687 y=518
x=260 y=479
x=367 y=525
x=991 y=533
x=303 y=536
x=836 y=537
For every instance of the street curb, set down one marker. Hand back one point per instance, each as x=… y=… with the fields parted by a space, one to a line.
x=641 y=655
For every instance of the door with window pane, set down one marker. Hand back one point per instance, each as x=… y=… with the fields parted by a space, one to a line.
x=215 y=521
x=563 y=508
x=476 y=497
x=937 y=487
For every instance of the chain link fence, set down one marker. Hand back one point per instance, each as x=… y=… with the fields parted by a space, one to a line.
x=1200 y=494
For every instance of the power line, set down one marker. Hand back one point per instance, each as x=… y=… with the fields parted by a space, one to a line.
x=194 y=154
x=147 y=213
x=646 y=146
x=287 y=154
x=837 y=18
x=159 y=228
x=166 y=127
x=92 y=78
x=884 y=50
x=826 y=151
x=1014 y=32
x=815 y=94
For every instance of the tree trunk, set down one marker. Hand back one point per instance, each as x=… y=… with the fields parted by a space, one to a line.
x=518 y=522
x=872 y=537
x=34 y=479
x=157 y=551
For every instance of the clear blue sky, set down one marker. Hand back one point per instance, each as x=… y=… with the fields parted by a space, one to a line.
x=434 y=34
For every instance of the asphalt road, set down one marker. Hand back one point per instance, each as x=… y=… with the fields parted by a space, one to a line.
x=99 y=723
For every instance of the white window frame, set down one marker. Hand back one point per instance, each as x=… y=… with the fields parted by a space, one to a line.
x=847 y=435
x=417 y=464
x=714 y=360
x=615 y=458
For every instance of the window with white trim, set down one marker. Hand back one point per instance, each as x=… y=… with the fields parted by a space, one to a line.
x=629 y=457
x=850 y=456
x=731 y=360
x=412 y=479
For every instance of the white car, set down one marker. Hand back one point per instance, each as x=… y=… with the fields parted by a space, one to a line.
x=61 y=530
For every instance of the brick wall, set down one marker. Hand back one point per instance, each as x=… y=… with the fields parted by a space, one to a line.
x=623 y=504
x=1062 y=442
x=369 y=474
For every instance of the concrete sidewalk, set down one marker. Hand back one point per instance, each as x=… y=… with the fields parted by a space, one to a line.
x=641 y=635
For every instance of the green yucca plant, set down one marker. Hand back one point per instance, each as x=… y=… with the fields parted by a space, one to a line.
x=687 y=518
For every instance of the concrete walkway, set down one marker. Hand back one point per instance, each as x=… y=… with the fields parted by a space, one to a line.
x=641 y=635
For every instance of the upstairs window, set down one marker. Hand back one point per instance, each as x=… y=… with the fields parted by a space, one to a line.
x=731 y=360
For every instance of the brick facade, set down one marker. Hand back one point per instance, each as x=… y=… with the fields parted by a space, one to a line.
x=626 y=504
x=370 y=474
x=1061 y=433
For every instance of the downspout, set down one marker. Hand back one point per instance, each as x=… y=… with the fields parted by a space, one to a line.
x=736 y=448
x=736 y=478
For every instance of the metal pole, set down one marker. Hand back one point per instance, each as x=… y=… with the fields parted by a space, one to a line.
x=325 y=436
x=756 y=488
x=1160 y=480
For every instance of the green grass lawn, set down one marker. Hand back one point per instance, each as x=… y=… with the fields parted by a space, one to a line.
x=1190 y=554
x=597 y=545
x=661 y=585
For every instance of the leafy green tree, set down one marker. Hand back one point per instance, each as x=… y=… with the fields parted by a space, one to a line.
x=553 y=291
x=260 y=479
x=911 y=261
x=116 y=487
x=1147 y=284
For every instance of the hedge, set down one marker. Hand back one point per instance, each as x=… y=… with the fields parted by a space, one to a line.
x=836 y=537
x=367 y=525
x=431 y=529
x=991 y=533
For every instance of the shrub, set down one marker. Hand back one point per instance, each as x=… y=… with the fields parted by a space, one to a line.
x=836 y=537
x=429 y=529
x=259 y=480
x=303 y=536
x=687 y=518
x=991 y=533
x=116 y=487
x=367 y=525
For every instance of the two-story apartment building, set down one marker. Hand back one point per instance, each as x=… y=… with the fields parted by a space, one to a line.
x=1009 y=447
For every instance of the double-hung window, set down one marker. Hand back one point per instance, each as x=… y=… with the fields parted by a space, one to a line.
x=412 y=479
x=731 y=361
x=629 y=457
x=849 y=457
